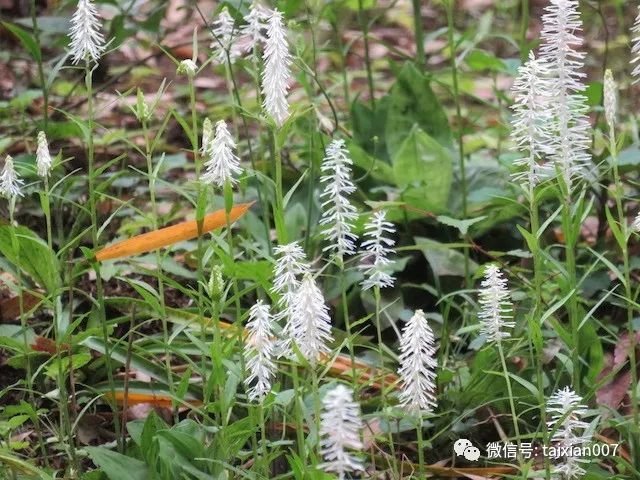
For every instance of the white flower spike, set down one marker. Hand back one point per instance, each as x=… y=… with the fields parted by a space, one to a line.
x=338 y=213
x=259 y=351
x=10 y=183
x=610 y=100
x=376 y=252
x=635 y=47
x=570 y=126
x=569 y=431
x=340 y=427
x=310 y=324
x=207 y=136
x=87 y=42
x=276 y=75
x=225 y=33
x=253 y=32
x=418 y=365
x=43 y=157
x=531 y=118
x=291 y=264
x=495 y=306
x=223 y=164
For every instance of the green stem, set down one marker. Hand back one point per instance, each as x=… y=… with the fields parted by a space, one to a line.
x=278 y=208
x=524 y=26
x=420 y=446
x=94 y=237
x=364 y=25
x=507 y=379
x=298 y=398
x=459 y=121
x=419 y=33
x=572 y=302
x=41 y=77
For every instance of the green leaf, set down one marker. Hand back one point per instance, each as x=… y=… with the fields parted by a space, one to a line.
x=377 y=168
x=30 y=253
x=481 y=60
x=55 y=367
x=117 y=466
x=413 y=102
x=461 y=225
x=442 y=258
x=28 y=42
x=423 y=162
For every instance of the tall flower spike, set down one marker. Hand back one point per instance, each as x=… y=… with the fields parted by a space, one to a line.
x=340 y=426
x=610 y=100
x=253 y=31
x=87 y=42
x=259 y=351
x=495 y=306
x=531 y=117
x=276 y=75
x=10 y=183
x=223 y=164
x=290 y=265
x=570 y=126
x=376 y=252
x=224 y=31
x=310 y=324
x=43 y=157
x=418 y=365
x=338 y=213
x=635 y=47
x=569 y=431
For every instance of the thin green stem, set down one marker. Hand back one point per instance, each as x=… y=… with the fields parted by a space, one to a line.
x=524 y=26
x=619 y=194
x=278 y=206
x=41 y=77
x=93 y=194
x=364 y=25
x=514 y=416
x=419 y=33
x=459 y=120
x=420 y=446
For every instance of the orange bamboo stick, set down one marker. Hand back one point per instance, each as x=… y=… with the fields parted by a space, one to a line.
x=170 y=235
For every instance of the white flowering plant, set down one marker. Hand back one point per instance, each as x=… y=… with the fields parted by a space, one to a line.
x=319 y=240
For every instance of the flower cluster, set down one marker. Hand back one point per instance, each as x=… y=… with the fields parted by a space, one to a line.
x=276 y=75
x=259 y=351
x=224 y=33
x=568 y=430
x=376 y=252
x=222 y=165
x=10 y=183
x=340 y=428
x=418 y=365
x=496 y=309
x=87 y=42
x=338 y=212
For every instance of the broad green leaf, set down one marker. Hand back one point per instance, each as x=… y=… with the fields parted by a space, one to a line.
x=61 y=365
x=443 y=259
x=31 y=254
x=424 y=164
x=413 y=102
x=117 y=466
x=461 y=225
x=377 y=168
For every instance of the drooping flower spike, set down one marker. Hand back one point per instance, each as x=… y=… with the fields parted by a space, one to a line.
x=495 y=306
x=43 y=157
x=225 y=33
x=87 y=42
x=310 y=324
x=340 y=426
x=569 y=431
x=418 y=365
x=531 y=120
x=10 y=183
x=291 y=265
x=376 y=252
x=253 y=31
x=570 y=126
x=259 y=351
x=276 y=75
x=223 y=165
x=338 y=213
